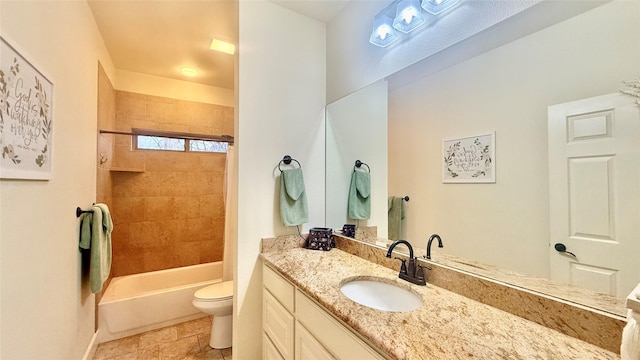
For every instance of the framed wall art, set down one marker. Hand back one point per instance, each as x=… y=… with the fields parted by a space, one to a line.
x=470 y=159
x=26 y=117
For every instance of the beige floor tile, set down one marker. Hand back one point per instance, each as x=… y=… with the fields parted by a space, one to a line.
x=193 y=327
x=118 y=347
x=185 y=341
x=179 y=349
x=158 y=337
x=208 y=354
x=203 y=339
x=150 y=353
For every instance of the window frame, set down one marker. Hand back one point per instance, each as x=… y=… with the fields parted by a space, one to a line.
x=187 y=137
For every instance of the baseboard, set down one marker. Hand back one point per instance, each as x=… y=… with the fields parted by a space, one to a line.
x=93 y=346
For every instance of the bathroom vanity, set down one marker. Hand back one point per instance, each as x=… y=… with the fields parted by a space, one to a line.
x=296 y=327
x=305 y=315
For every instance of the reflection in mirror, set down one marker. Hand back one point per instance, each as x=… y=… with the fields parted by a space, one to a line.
x=502 y=226
x=356 y=127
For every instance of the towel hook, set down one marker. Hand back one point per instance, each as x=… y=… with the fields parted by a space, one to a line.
x=287 y=160
x=359 y=164
x=406 y=198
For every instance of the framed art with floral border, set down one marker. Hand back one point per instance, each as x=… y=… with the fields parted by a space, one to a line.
x=469 y=160
x=26 y=117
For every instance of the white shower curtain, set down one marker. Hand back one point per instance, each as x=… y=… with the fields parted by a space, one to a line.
x=229 y=190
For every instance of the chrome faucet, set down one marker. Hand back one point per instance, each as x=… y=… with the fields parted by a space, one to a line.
x=434 y=236
x=412 y=273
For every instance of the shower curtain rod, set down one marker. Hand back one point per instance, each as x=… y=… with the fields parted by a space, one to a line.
x=175 y=135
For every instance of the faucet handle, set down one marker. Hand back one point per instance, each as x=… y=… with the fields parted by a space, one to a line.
x=420 y=271
x=403 y=266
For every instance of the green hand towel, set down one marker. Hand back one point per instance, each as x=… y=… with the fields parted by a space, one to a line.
x=359 y=195
x=396 y=214
x=95 y=234
x=85 y=231
x=293 y=198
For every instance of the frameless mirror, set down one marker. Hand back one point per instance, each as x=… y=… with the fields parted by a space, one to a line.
x=356 y=128
x=507 y=91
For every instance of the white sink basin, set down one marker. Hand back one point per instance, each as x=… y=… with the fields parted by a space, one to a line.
x=380 y=294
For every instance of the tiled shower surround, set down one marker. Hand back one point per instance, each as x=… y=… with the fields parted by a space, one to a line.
x=167 y=207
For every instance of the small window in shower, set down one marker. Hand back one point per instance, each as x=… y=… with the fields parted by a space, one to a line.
x=147 y=142
x=160 y=140
x=208 y=146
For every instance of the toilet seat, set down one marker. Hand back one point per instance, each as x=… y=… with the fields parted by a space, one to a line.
x=215 y=292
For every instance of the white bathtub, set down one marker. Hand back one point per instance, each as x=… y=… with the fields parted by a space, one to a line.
x=137 y=303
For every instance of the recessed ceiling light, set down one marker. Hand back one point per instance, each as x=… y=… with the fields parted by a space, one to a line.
x=187 y=71
x=222 y=46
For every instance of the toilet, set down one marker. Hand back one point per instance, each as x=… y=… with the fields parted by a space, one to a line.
x=217 y=300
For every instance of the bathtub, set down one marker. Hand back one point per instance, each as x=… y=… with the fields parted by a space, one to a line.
x=137 y=303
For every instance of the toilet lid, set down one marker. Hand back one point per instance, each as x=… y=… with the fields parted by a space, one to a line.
x=218 y=291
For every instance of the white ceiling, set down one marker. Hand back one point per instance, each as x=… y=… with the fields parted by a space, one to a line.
x=158 y=37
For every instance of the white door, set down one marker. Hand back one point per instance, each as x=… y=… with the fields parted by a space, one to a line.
x=594 y=189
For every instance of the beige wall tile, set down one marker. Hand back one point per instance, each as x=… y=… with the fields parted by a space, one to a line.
x=125 y=210
x=126 y=158
x=130 y=106
x=160 y=110
x=159 y=208
x=186 y=207
x=173 y=213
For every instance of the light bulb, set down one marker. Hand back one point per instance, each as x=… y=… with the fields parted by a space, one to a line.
x=408 y=14
x=383 y=31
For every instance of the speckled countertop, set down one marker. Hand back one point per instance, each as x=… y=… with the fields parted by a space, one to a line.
x=447 y=326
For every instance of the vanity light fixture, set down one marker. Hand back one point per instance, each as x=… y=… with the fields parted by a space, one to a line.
x=383 y=33
x=188 y=71
x=404 y=16
x=437 y=6
x=408 y=16
x=222 y=46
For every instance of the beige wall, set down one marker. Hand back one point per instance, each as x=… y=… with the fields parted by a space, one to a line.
x=506 y=90
x=167 y=207
x=172 y=88
x=281 y=111
x=46 y=308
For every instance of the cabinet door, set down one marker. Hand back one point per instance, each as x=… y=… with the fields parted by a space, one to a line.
x=307 y=347
x=330 y=333
x=278 y=324
x=269 y=351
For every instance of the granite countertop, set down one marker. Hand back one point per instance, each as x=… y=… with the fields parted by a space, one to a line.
x=603 y=302
x=447 y=326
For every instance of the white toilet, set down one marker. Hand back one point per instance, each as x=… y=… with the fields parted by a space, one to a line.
x=217 y=300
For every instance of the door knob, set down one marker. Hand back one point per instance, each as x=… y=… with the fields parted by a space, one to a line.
x=561 y=248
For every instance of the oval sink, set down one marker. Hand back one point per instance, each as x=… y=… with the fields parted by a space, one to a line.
x=378 y=293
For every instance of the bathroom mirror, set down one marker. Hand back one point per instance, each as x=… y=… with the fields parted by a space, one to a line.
x=506 y=90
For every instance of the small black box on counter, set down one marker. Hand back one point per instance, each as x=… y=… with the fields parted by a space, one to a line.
x=320 y=239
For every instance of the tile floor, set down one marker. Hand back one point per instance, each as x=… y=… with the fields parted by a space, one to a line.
x=184 y=341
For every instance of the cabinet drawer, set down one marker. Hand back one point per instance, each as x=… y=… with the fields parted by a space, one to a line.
x=279 y=287
x=278 y=324
x=331 y=333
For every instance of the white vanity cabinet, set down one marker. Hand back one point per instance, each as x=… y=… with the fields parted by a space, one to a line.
x=297 y=328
